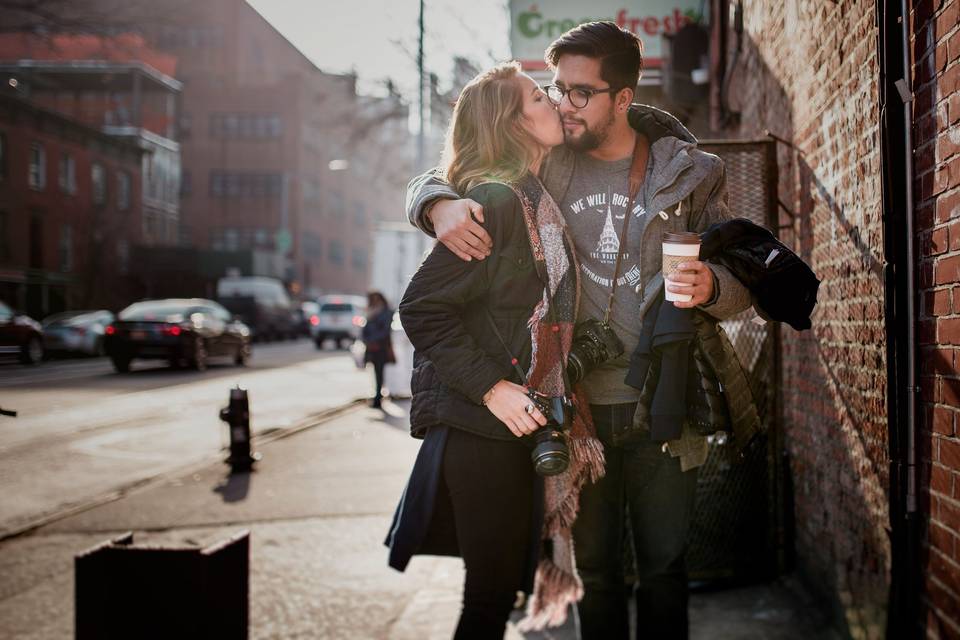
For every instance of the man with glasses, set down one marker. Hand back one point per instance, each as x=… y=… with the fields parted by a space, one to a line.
x=596 y=68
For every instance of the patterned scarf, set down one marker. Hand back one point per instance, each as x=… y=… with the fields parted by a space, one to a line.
x=557 y=584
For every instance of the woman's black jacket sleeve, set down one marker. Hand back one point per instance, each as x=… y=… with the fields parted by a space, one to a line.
x=433 y=306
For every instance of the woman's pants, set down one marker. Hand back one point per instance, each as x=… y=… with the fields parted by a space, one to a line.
x=378 y=366
x=490 y=484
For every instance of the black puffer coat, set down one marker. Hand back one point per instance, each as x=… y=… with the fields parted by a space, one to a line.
x=458 y=357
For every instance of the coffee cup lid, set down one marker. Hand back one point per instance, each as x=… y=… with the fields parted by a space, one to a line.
x=681 y=237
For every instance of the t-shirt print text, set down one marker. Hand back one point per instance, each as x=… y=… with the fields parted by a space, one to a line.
x=603 y=242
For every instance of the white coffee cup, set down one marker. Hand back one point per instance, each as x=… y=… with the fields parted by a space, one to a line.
x=678 y=247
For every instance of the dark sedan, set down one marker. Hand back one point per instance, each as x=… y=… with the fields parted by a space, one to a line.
x=182 y=331
x=20 y=335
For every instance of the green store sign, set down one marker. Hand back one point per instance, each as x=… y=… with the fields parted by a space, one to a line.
x=535 y=26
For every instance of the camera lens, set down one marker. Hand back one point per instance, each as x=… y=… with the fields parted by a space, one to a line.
x=550 y=455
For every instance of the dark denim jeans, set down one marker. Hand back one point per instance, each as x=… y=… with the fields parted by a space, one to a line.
x=647 y=483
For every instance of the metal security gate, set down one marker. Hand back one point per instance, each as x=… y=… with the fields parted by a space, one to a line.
x=737 y=533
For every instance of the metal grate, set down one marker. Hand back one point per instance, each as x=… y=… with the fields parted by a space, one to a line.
x=737 y=531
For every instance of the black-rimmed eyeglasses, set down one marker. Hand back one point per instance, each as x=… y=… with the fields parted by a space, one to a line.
x=578 y=96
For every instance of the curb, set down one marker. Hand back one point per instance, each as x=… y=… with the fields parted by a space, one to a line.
x=131 y=488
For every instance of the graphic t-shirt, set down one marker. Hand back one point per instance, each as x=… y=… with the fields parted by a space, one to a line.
x=593 y=207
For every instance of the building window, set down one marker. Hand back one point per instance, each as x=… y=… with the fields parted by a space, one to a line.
x=4 y=236
x=359 y=259
x=186 y=124
x=123 y=256
x=186 y=184
x=311 y=190
x=336 y=204
x=123 y=190
x=336 y=252
x=274 y=126
x=3 y=156
x=245 y=125
x=66 y=248
x=231 y=239
x=245 y=185
x=98 y=175
x=68 y=174
x=36 y=240
x=312 y=246
x=37 y=176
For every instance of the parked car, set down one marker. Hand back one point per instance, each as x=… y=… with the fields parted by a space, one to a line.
x=76 y=332
x=182 y=331
x=20 y=335
x=341 y=318
x=309 y=315
x=262 y=304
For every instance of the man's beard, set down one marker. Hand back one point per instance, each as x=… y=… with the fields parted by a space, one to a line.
x=590 y=139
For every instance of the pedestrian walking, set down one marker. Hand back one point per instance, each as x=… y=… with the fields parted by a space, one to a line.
x=378 y=348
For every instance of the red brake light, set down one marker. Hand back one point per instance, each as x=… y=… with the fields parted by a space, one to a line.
x=314 y=320
x=110 y=330
x=172 y=330
x=358 y=321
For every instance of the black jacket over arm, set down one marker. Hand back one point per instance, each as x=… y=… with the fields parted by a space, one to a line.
x=445 y=310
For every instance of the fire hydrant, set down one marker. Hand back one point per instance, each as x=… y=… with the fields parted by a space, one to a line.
x=237 y=416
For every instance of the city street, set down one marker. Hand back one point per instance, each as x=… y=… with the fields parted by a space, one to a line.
x=85 y=432
x=317 y=508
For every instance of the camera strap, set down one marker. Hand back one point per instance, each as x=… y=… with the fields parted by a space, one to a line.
x=513 y=359
x=638 y=168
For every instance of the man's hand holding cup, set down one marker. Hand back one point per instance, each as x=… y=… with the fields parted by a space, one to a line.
x=688 y=281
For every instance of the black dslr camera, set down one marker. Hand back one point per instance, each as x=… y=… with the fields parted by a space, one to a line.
x=594 y=342
x=550 y=454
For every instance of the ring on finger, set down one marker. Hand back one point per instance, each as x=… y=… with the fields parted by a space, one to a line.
x=529 y=408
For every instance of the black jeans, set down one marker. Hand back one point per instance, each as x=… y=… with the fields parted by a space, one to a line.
x=490 y=484
x=646 y=482
x=378 y=366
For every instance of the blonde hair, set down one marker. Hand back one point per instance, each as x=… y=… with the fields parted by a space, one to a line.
x=486 y=139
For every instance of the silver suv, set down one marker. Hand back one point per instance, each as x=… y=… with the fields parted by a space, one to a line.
x=340 y=318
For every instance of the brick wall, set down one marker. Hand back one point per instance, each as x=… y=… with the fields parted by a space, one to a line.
x=935 y=28
x=808 y=72
x=92 y=277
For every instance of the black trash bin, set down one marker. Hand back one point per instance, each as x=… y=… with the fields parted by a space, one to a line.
x=123 y=591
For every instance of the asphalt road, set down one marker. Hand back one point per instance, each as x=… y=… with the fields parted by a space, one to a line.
x=84 y=431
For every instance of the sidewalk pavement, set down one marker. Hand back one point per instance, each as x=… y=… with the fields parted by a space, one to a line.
x=318 y=507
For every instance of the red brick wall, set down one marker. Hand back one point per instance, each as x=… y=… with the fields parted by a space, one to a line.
x=93 y=279
x=935 y=45
x=808 y=72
